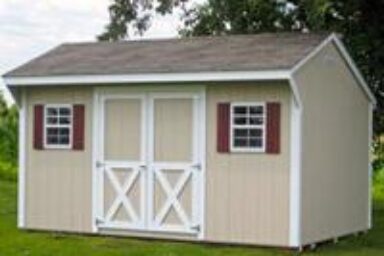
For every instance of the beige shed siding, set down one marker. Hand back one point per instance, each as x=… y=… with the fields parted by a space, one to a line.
x=335 y=148
x=248 y=193
x=58 y=182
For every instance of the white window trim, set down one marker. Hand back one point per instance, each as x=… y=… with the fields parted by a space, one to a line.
x=232 y=126
x=45 y=126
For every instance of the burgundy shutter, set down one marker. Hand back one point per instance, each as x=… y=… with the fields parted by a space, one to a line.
x=273 y=128
x=223 y=126
x=38 y=127
x=78 y=127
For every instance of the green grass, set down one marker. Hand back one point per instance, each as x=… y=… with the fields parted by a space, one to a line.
x=17 y=242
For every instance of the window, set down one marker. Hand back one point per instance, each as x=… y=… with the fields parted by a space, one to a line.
x=58 y=126
x=248 y=127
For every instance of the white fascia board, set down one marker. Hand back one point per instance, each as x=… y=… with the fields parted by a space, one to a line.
x=149 y=78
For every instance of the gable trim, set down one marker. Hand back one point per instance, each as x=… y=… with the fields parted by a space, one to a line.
x=347 y=58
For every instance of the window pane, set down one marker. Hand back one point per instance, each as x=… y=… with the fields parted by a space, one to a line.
x=65 y=111
x=255 y=143
x=240 y=110
x=256 y=120
x=65 y=120
x=52 y=131
x=52 y=140
x=256 y=110
x=256 y=132
x=240 y=120
x=52 y=111
x=52 y=120
x=64 y=140
x=64 y=131
x=241 y=132
x=240 y=142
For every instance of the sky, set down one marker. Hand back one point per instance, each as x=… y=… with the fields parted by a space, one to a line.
x=28 y=28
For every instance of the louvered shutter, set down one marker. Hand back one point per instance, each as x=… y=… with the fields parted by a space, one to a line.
x=38 y=127
x=273 y=127
x=223 y=127
x=78 y=127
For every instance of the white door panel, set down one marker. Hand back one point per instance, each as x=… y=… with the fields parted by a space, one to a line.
x=150 y=167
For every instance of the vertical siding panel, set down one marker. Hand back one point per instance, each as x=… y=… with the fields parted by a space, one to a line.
x=251 y=189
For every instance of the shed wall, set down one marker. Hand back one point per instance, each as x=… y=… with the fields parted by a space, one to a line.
x=247 y=194
x=58 y=182
x=334 y=147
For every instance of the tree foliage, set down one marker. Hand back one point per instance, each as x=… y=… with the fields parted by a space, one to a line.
x=359 y=21
x=8 y=139
x=137 y=15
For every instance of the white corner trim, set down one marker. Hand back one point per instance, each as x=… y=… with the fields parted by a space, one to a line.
x=370 y=176
x=150 y=77
x=95 y=153
x=295 y=175
x=203 y=155
x=22 y=160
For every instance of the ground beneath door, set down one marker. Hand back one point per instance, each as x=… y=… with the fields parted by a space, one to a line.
x=16 y=242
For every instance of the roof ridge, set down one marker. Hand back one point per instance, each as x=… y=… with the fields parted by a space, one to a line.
x=194 y=38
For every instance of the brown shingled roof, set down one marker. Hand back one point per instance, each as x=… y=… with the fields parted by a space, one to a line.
x=269 y=51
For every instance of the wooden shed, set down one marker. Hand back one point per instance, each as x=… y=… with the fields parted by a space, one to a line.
x=256 y=139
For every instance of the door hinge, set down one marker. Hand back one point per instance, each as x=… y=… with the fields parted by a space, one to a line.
x=196 y=166
x=196 y=227
x=99 y=164
x=99 y=220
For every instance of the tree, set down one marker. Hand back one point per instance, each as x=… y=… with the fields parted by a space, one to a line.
x=8 y=133
x=359 y=21
x=137 y=15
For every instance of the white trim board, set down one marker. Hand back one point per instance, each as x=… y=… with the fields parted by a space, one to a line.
x=149 y=78
x=21 y=212
x=370 y=176
x=295 y=175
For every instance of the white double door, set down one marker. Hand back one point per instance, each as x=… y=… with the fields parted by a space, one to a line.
x=149 y=167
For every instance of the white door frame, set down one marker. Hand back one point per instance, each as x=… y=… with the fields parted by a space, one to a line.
x=199 y=145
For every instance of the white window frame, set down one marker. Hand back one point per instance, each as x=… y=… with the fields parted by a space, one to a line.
x=46 y=126
x=233 y=126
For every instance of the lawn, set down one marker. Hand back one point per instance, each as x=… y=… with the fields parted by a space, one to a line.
x=16 y=242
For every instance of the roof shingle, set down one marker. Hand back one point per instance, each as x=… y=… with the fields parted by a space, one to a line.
x=269 y=51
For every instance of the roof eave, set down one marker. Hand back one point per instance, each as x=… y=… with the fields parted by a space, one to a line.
x=282 y=74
